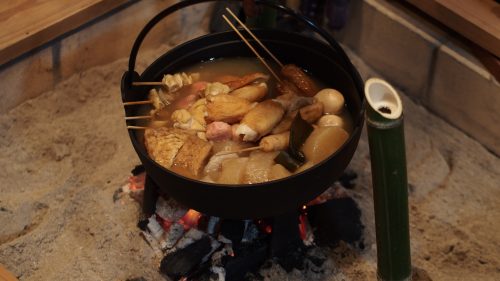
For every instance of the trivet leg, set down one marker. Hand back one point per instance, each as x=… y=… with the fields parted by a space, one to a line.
x=150 y=196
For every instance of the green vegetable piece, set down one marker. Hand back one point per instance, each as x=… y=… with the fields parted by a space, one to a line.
x=299 y=132
x=287 y=161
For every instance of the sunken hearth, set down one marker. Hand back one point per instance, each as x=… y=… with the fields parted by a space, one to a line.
x=195 y=246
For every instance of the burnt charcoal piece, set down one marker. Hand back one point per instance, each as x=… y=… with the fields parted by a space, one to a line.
x=233 y=230
x=150 y=197
x=183 y=262
x=294 y=257
x=137 y=170
x=335 y=220
x=347 y=179
x=203 y=223
x=317 y=261
x=143 y=224
x=287 y=248
x=285 y=235
x=251 y=257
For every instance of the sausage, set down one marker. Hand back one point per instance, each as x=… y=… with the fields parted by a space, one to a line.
x=300 y=79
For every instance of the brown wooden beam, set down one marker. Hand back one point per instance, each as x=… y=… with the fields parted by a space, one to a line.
x=28 y=24
x=477 y=20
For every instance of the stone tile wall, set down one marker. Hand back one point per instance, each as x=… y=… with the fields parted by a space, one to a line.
x=100 y=42
x=429 y=65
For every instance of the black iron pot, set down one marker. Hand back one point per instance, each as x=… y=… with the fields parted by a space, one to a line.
x=326 y=61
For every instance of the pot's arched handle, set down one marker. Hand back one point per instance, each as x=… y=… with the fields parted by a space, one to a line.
x=140 y=38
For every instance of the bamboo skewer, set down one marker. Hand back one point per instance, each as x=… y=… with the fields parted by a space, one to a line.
x=147 y=83
x=239 y=151
x=138 y=117
x=251 y=48
x=254 y=37
x=137 y=127
x=160 y=83
x=137 y=102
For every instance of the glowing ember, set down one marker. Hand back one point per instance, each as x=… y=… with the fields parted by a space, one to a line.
x=190 y=219
x=165 y=224
x=268 y=229
x=136 y=183
x=302 y=226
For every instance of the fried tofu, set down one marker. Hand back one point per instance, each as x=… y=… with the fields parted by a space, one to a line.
x=192 y=157
x=163 y=144
x=226 y=108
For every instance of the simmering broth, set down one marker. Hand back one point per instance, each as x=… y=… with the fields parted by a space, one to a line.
x=226 y=121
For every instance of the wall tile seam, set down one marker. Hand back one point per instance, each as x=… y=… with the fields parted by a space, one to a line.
x=399 y=19
x=427 y=89
x=468 y=63
x=439 y=45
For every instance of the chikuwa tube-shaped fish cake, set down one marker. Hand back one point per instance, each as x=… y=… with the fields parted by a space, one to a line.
x=275 y=142
x=260 y=120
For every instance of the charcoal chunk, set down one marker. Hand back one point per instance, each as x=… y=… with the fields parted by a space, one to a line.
x=138 y=169
x=183 y=262
x=335 y=220
x=150 y=197
x=143 y=224
x=251 y=257
x=347 y=179
x=233 y=230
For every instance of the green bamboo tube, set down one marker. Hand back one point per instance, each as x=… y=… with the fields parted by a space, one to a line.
x=384 y=119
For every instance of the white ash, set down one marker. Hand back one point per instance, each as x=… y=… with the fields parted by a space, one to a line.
x=223 y=239
x=175 y=232
x=169 y=209
x=153 y=243
x=215 y=246
x=191 y=236
x=220 y=271
x=212 y=224
x=155 y=228
x=217 y=256
x=250 y=233
x=309 y=239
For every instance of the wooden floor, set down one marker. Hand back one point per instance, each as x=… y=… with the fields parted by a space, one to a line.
x=27 y=24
